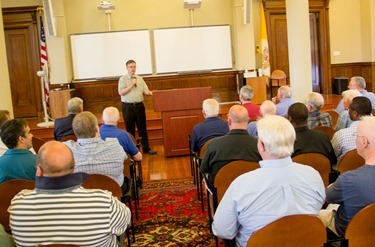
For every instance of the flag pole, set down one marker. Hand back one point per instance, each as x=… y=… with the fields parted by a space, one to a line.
x=46 y=123
x=43 y=74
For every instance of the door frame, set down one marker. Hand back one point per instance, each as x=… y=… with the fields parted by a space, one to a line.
x=321 y=8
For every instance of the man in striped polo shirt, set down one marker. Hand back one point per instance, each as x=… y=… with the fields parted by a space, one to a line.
x=60 y=211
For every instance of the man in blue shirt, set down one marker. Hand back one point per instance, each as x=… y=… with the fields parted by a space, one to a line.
x=110 y=116
x=283 y=100
x=18 y=161
x=213 y=126
x=353 y=190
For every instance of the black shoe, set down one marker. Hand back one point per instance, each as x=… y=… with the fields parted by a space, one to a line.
x=150 y=151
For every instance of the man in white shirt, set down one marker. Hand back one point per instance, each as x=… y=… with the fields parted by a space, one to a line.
x=279 y=188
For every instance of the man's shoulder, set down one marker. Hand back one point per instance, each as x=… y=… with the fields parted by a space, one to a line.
x=64 y=120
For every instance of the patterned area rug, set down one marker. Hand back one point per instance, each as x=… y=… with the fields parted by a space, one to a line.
x=170 y=215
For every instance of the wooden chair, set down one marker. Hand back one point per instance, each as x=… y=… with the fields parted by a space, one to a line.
x=225 y=176
x=290 y=231
x=334 y=117
x=8 y=190
x=130 y=172
x=326 y=129
x=191 y=156
x=37 y=143
x=317 y=161
x=278 y=78
x=99 y=181
x=350 y=161
x=361 y=229
x=137 y=143
x=68 y=137
x=198 y=161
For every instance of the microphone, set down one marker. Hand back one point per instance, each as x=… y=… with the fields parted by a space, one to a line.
x=134 y=78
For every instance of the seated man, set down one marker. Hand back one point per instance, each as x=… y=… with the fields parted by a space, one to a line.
x=354 y=189
x=246 y=95
x=307 y=140
x=357 y=83
x=109 y=129
x=314 y=102
x=343 y=141
x=279 y=188
x=94 y=155
x=212 y=126
x=63 y=126
x=61 y=210
x=266 y=108
x=344 y=120
x=4 y=116
x=283 y=100
x=18 y=161
x=236 y=145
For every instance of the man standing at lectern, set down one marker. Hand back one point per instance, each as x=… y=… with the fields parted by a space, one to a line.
x=131 y=88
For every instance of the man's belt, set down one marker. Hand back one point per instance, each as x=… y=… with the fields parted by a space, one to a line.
x=132 y=103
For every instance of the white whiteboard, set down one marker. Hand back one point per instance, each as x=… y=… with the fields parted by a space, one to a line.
x=193 y=49
x=98 y=55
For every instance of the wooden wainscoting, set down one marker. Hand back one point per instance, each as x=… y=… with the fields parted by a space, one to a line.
x=366 y=70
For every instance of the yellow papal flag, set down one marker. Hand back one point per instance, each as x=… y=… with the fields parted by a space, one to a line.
x=264 y=44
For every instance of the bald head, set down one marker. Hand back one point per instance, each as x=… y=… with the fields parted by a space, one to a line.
x=238 y=117
x=111 y=115
x=54 y=159
x=365 y=139
x=267 y=108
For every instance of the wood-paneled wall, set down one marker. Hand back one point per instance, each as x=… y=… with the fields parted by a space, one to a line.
x=99 y=94
x=366 y=70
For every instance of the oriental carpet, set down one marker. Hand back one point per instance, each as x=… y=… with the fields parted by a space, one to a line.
x=170 y=215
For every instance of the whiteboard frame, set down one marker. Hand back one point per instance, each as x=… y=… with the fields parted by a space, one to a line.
x=104 y=54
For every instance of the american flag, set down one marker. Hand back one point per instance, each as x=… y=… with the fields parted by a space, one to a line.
x=44 y=59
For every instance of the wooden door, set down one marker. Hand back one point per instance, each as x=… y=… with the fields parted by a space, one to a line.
x=279 y=41
x=319 y=36
x=23 y=62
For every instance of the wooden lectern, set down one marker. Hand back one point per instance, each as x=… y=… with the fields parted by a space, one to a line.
x=259 y=85
x=58 y=100
x=180 y=109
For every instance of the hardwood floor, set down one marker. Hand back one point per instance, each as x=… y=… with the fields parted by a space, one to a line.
x=158 y=167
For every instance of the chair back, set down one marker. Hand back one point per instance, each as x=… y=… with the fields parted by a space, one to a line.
x=99 y=181
x=37 y=143
x=334 y=117
x=68 y=137
x=292 y=230
x=350 y=161
x=203 y=149
x=228 y=173
x=360 y=230
x=317 y=161
x=278 y=78
x=326 y=129
x=8 y=190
